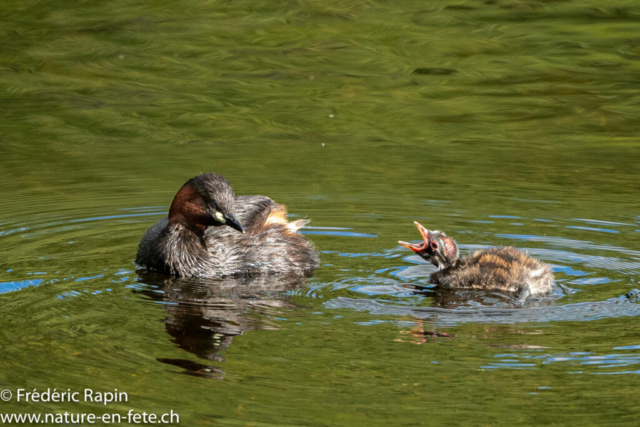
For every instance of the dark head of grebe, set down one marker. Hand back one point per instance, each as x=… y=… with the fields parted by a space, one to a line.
x=205 y=200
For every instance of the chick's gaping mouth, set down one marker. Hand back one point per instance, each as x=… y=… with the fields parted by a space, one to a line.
x=418 y=247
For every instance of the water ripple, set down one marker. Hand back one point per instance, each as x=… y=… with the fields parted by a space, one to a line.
x=585 y=311
x=572 y=359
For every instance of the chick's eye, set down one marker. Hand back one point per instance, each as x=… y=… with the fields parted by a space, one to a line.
x=434 y=246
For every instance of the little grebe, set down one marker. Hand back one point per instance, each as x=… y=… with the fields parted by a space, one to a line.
x=193 y=242
x=496 y=269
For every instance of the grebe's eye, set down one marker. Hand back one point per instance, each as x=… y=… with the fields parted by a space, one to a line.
x=434 y=246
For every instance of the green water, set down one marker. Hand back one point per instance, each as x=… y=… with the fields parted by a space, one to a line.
x=501 y=122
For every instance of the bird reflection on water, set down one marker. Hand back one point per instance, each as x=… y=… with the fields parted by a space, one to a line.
x=204 y=315
x=470 y=298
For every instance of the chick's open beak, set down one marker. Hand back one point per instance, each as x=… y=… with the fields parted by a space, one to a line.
x=417 y=247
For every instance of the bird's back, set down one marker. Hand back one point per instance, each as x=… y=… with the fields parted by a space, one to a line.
x=270 y=244
x=504 y=269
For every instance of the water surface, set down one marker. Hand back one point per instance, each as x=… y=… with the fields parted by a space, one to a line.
x=508 y=122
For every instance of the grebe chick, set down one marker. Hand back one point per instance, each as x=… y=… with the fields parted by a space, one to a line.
x=210 y=232
x=504 y=269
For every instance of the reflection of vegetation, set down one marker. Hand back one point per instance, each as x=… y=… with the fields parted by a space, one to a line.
x=418 y=335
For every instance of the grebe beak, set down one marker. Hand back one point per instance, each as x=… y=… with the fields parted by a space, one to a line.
x=233 y=222
x=423 y=231
x=417 y=247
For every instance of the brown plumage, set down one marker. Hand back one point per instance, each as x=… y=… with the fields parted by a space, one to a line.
x=505 y=269
x=192 y=241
